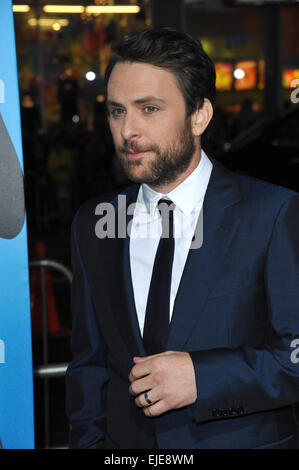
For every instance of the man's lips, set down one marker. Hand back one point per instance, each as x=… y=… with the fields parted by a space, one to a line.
x=136 y=154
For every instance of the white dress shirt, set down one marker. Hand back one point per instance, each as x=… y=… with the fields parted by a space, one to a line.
x=146 y=231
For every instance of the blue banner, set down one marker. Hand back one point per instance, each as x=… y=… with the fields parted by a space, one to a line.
x=16 y=382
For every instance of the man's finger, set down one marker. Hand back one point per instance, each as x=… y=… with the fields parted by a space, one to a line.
x=140 y=370
x=140 y=386
x=156 y=409
x=147 y=398
x=144 y=365
x=139 y=359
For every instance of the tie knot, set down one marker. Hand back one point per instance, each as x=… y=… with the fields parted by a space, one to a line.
x=166 y=208
x=166 y=203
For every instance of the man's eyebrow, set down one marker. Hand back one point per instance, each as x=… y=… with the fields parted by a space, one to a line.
x=113 y=103
x=139 y=101
x=149 y=98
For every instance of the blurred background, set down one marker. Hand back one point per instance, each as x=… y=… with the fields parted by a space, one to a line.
x=63 y=48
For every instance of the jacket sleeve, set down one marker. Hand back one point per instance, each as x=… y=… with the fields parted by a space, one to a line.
x=245 y=380
x=86 y=375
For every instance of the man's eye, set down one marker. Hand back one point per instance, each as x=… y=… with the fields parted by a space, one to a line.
x=150 y=109
x=115 y=112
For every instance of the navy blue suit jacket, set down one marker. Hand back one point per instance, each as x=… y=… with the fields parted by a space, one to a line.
x=236 y=313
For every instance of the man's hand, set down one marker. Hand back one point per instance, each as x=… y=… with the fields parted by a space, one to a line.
x=168 y=378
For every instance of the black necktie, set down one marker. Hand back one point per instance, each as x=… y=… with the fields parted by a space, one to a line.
x=156 y=325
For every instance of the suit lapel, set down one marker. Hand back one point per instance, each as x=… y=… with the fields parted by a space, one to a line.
x=132 y=314
x=203 y=264
x=115 y=252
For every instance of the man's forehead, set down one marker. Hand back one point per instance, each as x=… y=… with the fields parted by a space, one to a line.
x=140 y=81
x=141 y=67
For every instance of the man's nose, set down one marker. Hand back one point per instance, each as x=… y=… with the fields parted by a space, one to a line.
x=130 y=127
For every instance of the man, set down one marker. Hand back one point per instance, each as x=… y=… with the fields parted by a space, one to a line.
x=218 y=372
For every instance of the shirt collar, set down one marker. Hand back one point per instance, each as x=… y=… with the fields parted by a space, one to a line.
x=187 y=195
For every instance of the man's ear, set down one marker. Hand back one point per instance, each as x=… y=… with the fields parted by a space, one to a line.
x=201 y=117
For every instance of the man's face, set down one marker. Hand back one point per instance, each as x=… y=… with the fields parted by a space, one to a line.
x=147 y=116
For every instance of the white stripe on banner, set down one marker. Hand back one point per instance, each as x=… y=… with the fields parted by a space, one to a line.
x=16 y=379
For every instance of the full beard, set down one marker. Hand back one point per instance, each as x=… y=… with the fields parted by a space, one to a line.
x=167 y=165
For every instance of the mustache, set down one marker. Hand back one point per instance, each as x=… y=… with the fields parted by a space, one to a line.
x=133 y=148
